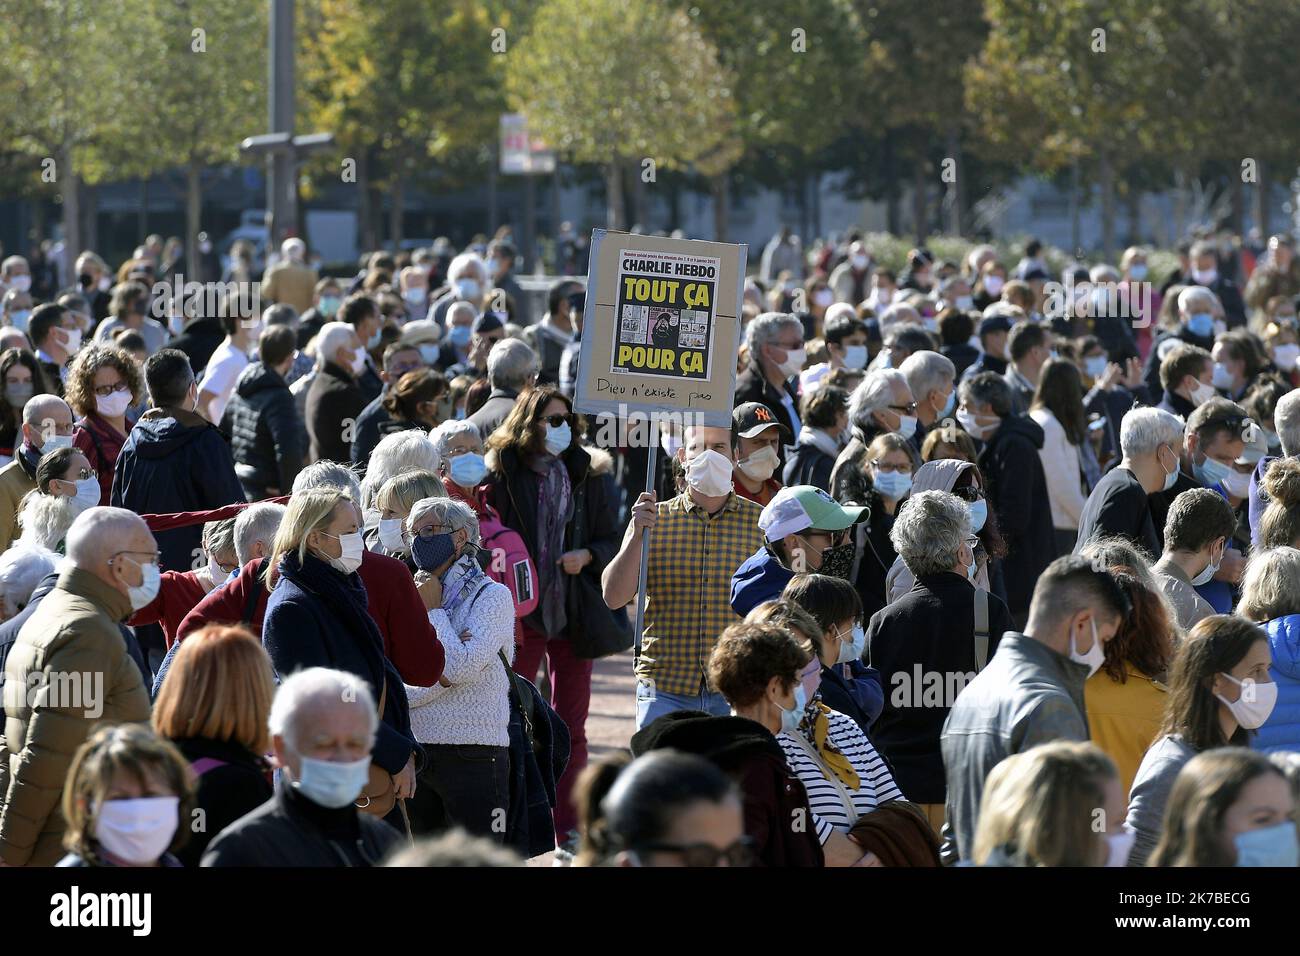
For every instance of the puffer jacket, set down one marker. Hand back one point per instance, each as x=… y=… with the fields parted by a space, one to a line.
x=73 y=632
x=1282 y=729
x=1027 y=695
x=267 y=436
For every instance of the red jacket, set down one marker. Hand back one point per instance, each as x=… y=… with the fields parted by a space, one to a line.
x=178 y=593
x=410 y=641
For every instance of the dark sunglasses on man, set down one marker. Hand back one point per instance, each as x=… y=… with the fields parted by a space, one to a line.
x=740 y=853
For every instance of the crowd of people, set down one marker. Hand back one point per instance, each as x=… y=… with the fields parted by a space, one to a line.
x=994 y=567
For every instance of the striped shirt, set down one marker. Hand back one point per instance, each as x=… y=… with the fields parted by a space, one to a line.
x=825 y=790
x=688 y=588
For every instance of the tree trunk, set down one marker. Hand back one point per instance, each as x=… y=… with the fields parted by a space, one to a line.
x=1134 y=203
x=143 y=213
x=1074 y=208
x=720 y=187
x=193 y=215
x=396 y=196
x=89 y=222
x=637 y=214
x=1180 y=205
x=953 y=200
x=920 y=207
x=70 y=189
x=494 y=161
x=1238 y=224
x=614 y=195
x=1261 y=202
x=1106 y=173
x=365 y=207
x=893 y=205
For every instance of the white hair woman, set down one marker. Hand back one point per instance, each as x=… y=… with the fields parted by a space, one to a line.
x=395 y=454
x=461 y=463
x=463 y=723
x=394 y=501
x=318 y=613
x=22 y=568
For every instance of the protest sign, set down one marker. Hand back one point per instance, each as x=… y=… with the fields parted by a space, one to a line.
x=661 y=328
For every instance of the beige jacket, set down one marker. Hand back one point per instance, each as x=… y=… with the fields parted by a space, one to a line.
x=14 y=483
x=68 y=672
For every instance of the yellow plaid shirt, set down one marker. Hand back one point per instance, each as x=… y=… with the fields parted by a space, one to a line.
x=688 y=588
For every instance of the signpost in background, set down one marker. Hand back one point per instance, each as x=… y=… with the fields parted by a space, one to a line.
x=660 y=334
x=525 y=155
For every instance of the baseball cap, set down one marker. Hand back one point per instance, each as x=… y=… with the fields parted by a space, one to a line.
x=1256 y=444
x=751 y=418
x=800 y=507
x=421 y=331
x=488 y=322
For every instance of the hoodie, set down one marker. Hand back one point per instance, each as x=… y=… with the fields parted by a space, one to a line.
x=267 y=437
x=174 y=460
x=771 y=792
x=1017 y=494
x=938 y=475
x=1282 y=729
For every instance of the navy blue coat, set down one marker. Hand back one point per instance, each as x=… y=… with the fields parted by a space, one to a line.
x=173 y=461
x=534 y=771
x=302 y=630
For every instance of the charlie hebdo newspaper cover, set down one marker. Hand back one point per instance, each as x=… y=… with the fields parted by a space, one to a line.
x=665 y=312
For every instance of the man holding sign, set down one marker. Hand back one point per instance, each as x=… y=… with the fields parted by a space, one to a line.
x=700 y=538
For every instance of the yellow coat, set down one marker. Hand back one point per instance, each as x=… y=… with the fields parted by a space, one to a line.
x=1124 y=719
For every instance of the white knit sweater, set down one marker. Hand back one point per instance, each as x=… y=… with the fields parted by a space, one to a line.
x=475 y=709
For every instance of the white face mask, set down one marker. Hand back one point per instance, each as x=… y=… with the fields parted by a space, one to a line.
x=760 y=465
x=72 y=340
x=1251 y=713
x=794 y=359
x=855 y=356
x=1205 y=276
x=354 y=547
x=358 y=360
x=390 y=534
x=1096 y=655
x=709 y=473
x=88 y=493
x=1285 y=356
x=21 y=283
x=113 y=405
x=1237 y=484
x=55 y=442
x=1201 y=394
x=1210 y=571
x=859 y=262
x=137 y=830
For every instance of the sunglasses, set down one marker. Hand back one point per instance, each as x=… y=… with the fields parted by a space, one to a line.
x=555 y=421
x=740 y=853
x=970 y=494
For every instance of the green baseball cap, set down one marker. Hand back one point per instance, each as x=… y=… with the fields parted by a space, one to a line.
x=801 y=507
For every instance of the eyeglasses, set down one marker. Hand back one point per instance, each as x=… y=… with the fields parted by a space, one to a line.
x=905 y=409
x=555 y=421
x=970 y=494
x=883 y=466
x=740 y=853
x=155 y=555
x=86 y=474
x=429 y=531
x=104 y=391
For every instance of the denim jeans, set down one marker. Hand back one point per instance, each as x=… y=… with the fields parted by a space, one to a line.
x=652 y=704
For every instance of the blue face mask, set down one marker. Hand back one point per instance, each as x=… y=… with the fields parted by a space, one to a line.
x=429 y=353
x=949 y=405
x=468 y=469
x=1211 y=472
x=1095 y=366
x=20 y=319
x=893 y=484
x=329 y=305
x=431 y=553
x=331 y=784
x=558 y=439
x=790 y=718
x=460 y=335
x=1201 y=325
x=1271 y=846
x=853 y=648
x=979 y=513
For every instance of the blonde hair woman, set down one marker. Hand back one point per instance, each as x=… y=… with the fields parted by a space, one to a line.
x=127 y=793
x=394 y=501
x=214 y=705
x=318 y=616
x=1059 y=804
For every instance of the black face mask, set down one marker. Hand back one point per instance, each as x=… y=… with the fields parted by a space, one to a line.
x=837 y=561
